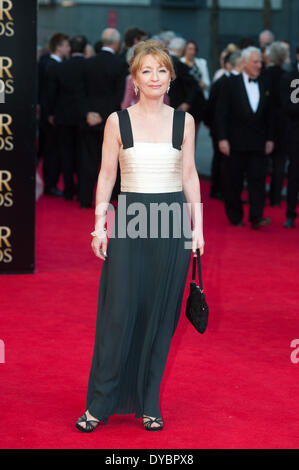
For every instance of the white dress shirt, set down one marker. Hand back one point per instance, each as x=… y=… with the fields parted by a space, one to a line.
x=108 y=49
x=56 y=57
x=253 y=92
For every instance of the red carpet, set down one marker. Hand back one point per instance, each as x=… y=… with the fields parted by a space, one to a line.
x=233 y=387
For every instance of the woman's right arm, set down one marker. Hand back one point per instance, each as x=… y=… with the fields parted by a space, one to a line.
x=106 y=180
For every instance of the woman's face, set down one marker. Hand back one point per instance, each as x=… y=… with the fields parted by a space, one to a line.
x=152 y=78
x=190 y=51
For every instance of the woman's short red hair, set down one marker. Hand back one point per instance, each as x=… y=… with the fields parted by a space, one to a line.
x=154 y=48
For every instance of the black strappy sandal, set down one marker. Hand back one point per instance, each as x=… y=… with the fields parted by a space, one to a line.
x=89 y=427
x=147 y=422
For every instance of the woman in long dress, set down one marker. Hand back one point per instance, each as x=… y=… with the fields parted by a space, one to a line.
x=144 y=269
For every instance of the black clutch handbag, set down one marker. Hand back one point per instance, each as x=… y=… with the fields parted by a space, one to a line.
x=197 y=310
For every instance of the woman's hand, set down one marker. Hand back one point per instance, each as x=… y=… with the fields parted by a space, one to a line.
x=197 y=241
x=99 y=246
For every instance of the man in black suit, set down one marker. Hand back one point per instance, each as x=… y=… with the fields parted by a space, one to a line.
x=65 y=94
x=104 y=78
x=276 y=55
x=184 y=88
x=245 y=136
x=290 y=102
x=59 y=50
x=231 y=65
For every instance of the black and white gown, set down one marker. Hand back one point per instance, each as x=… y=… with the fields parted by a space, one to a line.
x=142 y=281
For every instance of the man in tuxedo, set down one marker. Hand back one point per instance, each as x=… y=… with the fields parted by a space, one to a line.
x=290 y=103
x=104 y=78
x=65 y=94
x=184 y=88
x=59 y=50
x=231 y=64
x=245 y=137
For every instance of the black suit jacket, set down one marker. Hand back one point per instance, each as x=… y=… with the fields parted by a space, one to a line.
x=272 y=78
x=235 y=120
x=42 y=65
x=210 y=109
x=184 y=88
x=65 y=91
x=46 y=66
x=104 y=78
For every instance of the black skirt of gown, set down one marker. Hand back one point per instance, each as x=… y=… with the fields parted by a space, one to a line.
x=140 y=297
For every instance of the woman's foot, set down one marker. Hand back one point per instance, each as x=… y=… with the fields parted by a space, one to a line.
x=87 y=423
x=152 y=424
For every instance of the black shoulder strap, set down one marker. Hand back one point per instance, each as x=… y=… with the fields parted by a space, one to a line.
x=178 y=128
x=125 y=128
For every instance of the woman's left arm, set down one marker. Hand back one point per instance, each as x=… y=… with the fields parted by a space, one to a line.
x=191 y=184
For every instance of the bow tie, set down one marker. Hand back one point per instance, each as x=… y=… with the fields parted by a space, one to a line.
x=252 y=80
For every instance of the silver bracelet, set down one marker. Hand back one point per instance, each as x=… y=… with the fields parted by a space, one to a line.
x=101 y=234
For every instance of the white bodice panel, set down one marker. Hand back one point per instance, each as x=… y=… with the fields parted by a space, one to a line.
x=151 y=168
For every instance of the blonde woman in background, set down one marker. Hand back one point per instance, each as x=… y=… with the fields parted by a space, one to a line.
x=229 y=48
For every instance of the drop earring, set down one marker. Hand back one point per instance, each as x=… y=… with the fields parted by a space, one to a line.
x=136 y=89
x=168 y=88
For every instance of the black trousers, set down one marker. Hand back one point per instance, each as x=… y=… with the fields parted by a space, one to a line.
x=42 y=125
x=293 y=178
x=235 y=167
x=228 y=191
x=69 y=145
x=41 y=142
x=216 y=172
x=52 y=156
x=278 y=160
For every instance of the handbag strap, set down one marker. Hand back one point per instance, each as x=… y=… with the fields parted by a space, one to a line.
x=197 y=256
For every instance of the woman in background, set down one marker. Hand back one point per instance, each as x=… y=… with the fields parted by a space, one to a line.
x=199 y=70
x=230 y=48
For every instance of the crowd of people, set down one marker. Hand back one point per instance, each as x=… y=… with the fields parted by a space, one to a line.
x=247 y=106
